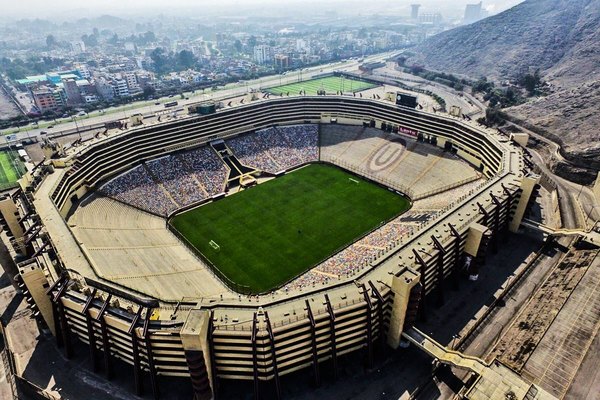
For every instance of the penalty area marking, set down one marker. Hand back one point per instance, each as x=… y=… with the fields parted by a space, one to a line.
x=214 y=245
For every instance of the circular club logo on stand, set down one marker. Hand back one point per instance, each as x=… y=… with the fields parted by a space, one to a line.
x=386 y=155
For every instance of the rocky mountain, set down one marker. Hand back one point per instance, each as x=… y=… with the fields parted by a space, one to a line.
x=561 y=38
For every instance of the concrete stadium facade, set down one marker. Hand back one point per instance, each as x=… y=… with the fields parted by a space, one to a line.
x=257 y=338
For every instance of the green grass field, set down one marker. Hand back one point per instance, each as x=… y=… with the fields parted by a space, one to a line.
x=9 y=172
x=275 y=231
x=330 y=84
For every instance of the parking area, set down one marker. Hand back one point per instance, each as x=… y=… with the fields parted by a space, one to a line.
x=557 y=358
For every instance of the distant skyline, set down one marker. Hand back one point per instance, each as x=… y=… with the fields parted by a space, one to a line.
x=66 y=9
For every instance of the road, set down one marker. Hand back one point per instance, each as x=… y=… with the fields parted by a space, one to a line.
x=468 y=104
x=578 y=205
x=228 y=91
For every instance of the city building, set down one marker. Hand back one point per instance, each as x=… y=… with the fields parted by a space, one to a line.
x=78 y=47
x=121 y=88
x=282 y=61
x=472 y=13
x=132 y=83
x=430 y=18
x=48 y=99
x=105 y=89
x=263 y=54
x=414 y=11
x=83 y=70
x=72 y=92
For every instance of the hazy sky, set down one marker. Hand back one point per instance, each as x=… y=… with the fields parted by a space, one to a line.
x=89 y=8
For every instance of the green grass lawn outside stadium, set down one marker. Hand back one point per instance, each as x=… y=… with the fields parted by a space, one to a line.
x=330 y=84
x=275 y=231
x=8 y=172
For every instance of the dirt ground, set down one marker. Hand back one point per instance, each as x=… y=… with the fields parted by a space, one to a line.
x=7 y=107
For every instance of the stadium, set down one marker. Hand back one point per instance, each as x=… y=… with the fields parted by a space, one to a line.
x=262 y=239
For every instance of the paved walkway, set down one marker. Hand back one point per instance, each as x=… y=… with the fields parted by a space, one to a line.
x=495 y=380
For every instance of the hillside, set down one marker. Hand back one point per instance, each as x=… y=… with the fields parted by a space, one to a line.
x=561 y=38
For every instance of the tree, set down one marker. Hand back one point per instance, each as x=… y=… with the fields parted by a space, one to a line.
x=238 y=45
x=185 y=59
x=416 y=69
x=531 y=82
x=482 y=85
x=160 y=60
x=149 y=37
x=89 y=40
x=51 y=41
x=492 y=116
x=114 y=40
x=149 y=91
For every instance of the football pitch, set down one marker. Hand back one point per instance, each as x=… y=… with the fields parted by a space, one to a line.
x=9 y=165
x=331 y=84
x=264 y=236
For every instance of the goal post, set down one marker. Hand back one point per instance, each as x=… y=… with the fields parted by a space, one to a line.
x=214 y=245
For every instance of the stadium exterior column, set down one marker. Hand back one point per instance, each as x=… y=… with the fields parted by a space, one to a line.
x=486 y=216
x=404 y=304
x=255 y=357
x=313 y=338
x=149 y=356
x=59 y=334
x=90 y=329
x=440 y=269
x=456 y=266
x=55 y=314
x=39 y=251
x=64 y=326
x=137 y=369
x=380 y=302
x=496 y=230
x=194 y=338
x=273 y=356
x=213 y=361
x=369 y=327
x=332 y=334
x=105 y=340
x=423 y=265
x=509 y=206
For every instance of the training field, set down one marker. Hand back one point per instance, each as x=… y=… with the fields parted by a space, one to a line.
x=275 y=231
x=330 y=84
x=9 y=172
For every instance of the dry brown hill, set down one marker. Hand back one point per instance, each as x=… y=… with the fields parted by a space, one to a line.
x=561 y=38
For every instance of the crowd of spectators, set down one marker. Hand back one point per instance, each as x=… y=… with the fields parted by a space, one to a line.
x=208 y=169
x=253 y=151
x=165 y=184
x=355 y=257
x=181 y=185
x=178 y=180
x=278 y=148
x=388 y=235
x=295 y=145
x=137 y=188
